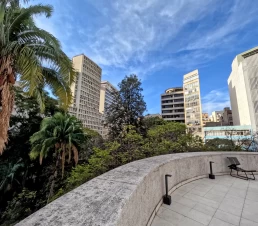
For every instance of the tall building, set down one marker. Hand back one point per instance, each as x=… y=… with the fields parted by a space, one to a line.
x=217 y=116
x=106 y=90
x=172 y=105
x=106 y=98
x=227 y=116
x=243 y=88
x=192 y=102
x=86 y=92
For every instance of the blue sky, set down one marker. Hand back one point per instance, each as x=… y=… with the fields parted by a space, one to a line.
x=159 y=40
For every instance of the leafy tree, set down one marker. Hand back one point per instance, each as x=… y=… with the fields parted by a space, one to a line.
x=94 y=139
x=130 y=147
x=171 y=138
x=127 y=107
x=153 y=121
x=62 y=134
x=33 y=54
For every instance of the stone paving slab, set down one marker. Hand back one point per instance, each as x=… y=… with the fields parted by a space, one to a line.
x=225 y=201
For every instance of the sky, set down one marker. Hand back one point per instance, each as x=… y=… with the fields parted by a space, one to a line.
x=158 y=40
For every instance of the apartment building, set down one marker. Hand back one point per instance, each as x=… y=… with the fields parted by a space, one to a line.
x=172 y=105
x=243 y=89
x=192 y=103
x=86 y=92
x=227 y=116
x=106 y=98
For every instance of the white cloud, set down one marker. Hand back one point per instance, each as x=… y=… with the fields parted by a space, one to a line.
x=241 y=14
x=142 y=36
x=215 y=100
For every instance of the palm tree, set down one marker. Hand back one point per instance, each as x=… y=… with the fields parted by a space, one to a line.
x=9 y=176
x=62 y=134
x=31 y=55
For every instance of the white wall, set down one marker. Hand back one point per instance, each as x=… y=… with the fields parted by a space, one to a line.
x=238 y=95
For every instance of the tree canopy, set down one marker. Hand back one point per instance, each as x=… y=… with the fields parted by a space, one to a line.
x=127 y=107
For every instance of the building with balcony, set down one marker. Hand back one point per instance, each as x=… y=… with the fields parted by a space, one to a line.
x=172 y=105
x=192 y=103
x=86 y=93
x=243 y=88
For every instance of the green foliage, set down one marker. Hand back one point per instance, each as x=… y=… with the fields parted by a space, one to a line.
x=21 y=206
x=153 y=121
x=34 y=57
x=99 y=162
x=94 y=139
x=218 y=144
x=59 y=137
x=11 y=174
x=17 y=171
x=61 y=133
x=28 y=48
x=127 y=107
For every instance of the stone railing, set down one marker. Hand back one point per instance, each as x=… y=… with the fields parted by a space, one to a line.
x=131 y=194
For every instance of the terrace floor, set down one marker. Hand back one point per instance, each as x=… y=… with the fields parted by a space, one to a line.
x=224 y=201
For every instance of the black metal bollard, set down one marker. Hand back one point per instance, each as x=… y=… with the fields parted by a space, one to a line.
x=166 y=197
x=211 y=175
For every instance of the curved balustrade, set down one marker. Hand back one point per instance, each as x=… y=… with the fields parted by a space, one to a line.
x=131 y=194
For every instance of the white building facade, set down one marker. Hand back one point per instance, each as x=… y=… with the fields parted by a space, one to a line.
x=243 y=89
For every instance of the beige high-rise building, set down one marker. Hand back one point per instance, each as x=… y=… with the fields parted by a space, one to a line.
x=192 y=103
x=86 y=92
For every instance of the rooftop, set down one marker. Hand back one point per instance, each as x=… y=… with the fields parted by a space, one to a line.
x=224 y=201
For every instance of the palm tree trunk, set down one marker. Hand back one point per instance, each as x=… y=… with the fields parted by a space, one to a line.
x=6 y=107
x=7 y=79
x=51 y=190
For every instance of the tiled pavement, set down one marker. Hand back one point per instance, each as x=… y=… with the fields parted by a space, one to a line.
x=224 y=201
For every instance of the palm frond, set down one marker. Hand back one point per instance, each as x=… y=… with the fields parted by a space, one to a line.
x=27 y=13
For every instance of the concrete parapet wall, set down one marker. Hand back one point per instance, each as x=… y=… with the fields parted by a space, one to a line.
x=130 y=194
